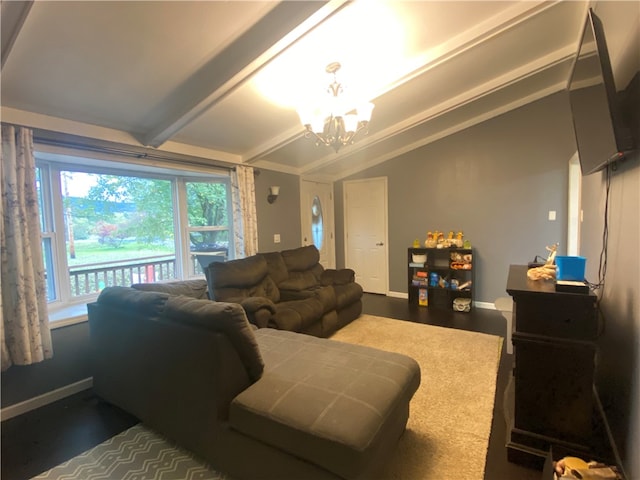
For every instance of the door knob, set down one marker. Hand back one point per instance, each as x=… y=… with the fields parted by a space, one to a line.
x=379 y=244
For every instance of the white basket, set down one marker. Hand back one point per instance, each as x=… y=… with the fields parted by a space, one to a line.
x=462 y=304
x=419 y=258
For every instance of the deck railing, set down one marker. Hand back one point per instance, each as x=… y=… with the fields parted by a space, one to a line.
x=91 y=278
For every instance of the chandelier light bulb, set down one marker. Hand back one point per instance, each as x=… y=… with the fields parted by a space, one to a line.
x=351 y=123
x=364 y=111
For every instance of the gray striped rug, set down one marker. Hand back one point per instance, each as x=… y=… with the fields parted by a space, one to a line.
x=135 y=454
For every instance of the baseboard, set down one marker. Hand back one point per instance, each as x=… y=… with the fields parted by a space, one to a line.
x=398 y=295
x=45 y=399
x=487 y=305
x=612 y=442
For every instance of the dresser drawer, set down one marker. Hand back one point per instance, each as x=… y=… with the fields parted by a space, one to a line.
x=561 y=316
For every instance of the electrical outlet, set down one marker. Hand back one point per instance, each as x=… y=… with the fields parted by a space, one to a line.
x=276 y=238
x=552 y=215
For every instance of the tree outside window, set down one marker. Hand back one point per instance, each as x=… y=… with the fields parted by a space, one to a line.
x=208 y=222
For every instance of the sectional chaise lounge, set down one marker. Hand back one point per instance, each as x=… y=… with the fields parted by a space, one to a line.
x=252 y=402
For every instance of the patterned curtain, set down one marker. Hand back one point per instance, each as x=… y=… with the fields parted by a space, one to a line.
x=24 y=321
x=245 y=221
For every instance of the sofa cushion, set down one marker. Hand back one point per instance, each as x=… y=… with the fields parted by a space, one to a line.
x=242 y=278
x=190 y=288
x=298 y=281
x=324 y=401
x=296 y=315
x=337 y=277
x=276 y=266
x=347 y=294
x=301 y=258
x=303 y=267
x=125 y=298
x=227 y=318
x=327 y=297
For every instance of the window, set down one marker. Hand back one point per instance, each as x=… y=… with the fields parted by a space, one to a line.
x=207 y=225
x=105 y=226
x=317 y=222
x=118 y=230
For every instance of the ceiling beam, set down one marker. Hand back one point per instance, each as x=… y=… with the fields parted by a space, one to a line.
x=271 y=35
x=13 y=15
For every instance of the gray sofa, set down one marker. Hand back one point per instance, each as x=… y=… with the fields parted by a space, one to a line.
x=288 y=290
x=254 y=403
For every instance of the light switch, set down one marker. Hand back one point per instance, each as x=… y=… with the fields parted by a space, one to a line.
x=276 y=238
x=552 y=215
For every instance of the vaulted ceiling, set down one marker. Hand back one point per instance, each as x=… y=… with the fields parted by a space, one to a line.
x=221 y=79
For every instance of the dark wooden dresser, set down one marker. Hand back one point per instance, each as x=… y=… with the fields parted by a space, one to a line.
x=549 y=400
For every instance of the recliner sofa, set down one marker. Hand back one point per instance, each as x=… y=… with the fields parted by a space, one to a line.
x=254 y=403
x=288 y=290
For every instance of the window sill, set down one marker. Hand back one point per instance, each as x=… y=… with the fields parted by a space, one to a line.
x=66 y=316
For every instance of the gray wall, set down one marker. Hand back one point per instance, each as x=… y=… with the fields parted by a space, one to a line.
x=70 y=364
x=618 y=372
x=495 y=181
x=618 y=380
x=281 y=216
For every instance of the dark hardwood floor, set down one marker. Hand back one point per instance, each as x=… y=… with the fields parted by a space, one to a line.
x=50 y=435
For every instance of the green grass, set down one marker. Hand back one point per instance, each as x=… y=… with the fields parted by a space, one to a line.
x=90 y=251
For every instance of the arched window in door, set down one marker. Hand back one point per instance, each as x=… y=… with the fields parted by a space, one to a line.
x=317 y=222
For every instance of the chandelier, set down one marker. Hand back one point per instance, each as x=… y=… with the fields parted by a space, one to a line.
x=336 y=123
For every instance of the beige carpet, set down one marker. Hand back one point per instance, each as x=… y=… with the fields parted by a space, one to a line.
x=450 y=420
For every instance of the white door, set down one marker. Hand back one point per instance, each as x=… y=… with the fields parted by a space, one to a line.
x=316 y=205
x=365 y=207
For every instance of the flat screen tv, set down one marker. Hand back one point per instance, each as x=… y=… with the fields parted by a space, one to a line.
x=602 y=134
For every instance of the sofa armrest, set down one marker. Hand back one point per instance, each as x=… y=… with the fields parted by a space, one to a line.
x=338 y=277
x=258 y=309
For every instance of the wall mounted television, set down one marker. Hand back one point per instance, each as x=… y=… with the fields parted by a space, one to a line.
x=603 y=134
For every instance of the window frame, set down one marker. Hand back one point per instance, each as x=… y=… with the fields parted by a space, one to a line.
x=47 y=227
x=53 y=218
